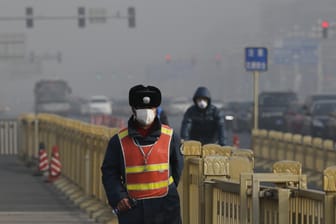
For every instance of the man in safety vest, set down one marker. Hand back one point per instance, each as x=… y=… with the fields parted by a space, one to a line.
x=143 y=164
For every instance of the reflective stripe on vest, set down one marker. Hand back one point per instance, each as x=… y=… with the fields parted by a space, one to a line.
x=147 y=178
x=148 y=186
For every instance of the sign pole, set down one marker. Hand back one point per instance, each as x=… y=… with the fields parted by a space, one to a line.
x=256 y=62
x=256 y=100
x=319 y=69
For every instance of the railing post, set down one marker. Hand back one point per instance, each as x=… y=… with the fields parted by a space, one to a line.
x=255 y=200
x=87 y=172
x=245 y=182
x=255 y=179
x=283 y=205
x=191 y=149
x=36 y=137
x=208 y=189
x=184 y=189
x=329 y=186
x=329 y=208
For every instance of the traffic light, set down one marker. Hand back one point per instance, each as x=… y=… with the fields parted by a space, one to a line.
x=81 y=17
x=29 y=17
x=168 y=58
x=131 y=17
x=325 y=27
x=218 y=59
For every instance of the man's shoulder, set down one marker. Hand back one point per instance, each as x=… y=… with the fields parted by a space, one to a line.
x=214 y=106
x=114 y=140
x=191 y=108
x=117 y=135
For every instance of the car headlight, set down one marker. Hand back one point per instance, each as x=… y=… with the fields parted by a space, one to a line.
x=229 y=117
x=317 y=123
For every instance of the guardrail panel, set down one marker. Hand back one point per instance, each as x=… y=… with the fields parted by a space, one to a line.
x=232 y=199
x=8 y=137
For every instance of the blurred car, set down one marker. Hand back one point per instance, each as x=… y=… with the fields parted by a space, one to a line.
x=244 y=111
x=219 y=104
x=76 y=105
x=330 y=120
x=4 y=109
x=316 y=118
x=316 y=97
x=121 y=107
x=272 y=106
x=229 y=116
x=177 y=106
x=294 y=117
x=331 y=126
x=238 y=115
x=99 y=105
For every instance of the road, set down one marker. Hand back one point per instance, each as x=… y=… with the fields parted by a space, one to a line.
x=28 y=199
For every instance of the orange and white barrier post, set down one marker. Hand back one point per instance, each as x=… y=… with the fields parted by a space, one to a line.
x=55 y=165
x=43 y=165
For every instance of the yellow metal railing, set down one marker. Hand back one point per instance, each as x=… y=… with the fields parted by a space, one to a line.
x=314 y=154
x=218 y=184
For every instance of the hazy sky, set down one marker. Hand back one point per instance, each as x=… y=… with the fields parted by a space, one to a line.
x=109 y=58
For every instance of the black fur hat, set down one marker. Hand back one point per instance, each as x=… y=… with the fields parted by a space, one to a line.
x=144 y=97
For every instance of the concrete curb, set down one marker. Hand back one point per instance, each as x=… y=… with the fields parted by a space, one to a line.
x=96 y=209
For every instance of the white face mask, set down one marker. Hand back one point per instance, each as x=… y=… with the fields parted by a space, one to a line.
x=202 y=104
x=145 y=116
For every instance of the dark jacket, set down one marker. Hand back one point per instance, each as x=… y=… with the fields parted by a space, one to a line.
x=204 y=125
x=113 y=176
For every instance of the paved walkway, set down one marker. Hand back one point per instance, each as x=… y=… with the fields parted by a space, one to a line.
x=25 y=198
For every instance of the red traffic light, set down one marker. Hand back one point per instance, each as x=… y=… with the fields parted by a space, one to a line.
x=325 y=24
x=168 y=58
x=218 y=57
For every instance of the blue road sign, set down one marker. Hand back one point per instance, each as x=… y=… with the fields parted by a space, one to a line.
x=256 y=59
x=296 y=50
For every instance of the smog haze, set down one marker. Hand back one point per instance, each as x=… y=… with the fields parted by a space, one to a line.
x=204 y=40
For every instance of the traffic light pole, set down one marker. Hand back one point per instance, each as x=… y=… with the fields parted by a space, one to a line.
x=98 y=17
x=256 y=99
x=319 y=69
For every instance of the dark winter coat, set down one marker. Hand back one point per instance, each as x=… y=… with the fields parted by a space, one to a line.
x=165 y=210
x=204 y=125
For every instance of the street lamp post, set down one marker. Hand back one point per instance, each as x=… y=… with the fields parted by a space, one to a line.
x=319 y=69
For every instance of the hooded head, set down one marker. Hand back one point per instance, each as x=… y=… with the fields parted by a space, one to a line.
x=201 y=95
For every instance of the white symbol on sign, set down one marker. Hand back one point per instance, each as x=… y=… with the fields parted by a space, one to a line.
x=250 y=53
x=260 y=53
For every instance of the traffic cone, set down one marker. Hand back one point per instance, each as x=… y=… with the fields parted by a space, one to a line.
x=43 y=165
x=235 y=141
x=55 y=165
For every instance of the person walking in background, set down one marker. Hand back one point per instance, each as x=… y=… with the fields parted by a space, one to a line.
x=203 y=121
x=143 y=164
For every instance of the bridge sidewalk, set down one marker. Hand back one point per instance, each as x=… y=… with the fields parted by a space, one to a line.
x=28 y=199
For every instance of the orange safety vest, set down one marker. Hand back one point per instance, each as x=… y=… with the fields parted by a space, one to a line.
x=147 y=167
